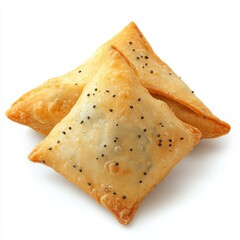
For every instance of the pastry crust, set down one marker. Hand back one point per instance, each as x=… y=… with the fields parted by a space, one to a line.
x=117 y=142
x=43 y=107
x=207 y=126
x=155 y=75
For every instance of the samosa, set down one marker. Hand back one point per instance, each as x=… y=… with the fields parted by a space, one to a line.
x=117 y=142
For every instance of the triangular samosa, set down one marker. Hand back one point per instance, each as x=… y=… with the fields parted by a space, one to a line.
x=117 y=142
x=46 y=105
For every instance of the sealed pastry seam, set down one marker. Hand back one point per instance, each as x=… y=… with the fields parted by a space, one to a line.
x=170 y=87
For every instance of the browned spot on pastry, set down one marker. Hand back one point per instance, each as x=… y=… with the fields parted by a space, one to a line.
x=112 y=167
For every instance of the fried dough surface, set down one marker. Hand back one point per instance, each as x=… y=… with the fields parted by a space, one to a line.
x=117 y=142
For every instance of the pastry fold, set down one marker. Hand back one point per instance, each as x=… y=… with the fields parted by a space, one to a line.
x=117 y=142
x=43 y=107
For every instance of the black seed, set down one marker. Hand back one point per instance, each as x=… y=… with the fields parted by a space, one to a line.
x=133 y=50
x=140 y=181
x=131 y=107
x=116 y=124
x=170 y=73
x=192 y=91
x=76 y=84
x=139 y=136
x=95 y=89
x=116 y=163
x=124 y=197
x=81 y=122
x=170 y=145
x=74 y=166
x=43 y=161
x=58 y=141
x=110 y=110
x=102 y=155
x=113 y=95
x=170 y=140
x=158 y=135
x=145 y=173
x=89 y=184
x=160 y=140
x=96 y=158
x=143 y=67
x=151 y=71
x=70 y=128
x=88 y=117
x=146 y=64
x=50 y=148
x=130 y=42
x=80 y=170
x=115 y=140
x=63 y=132
x=142 y=117
x=146 y=57
x=161 y=124
x=139 y=99
x=107 y=90
x=137 y=58
x=159 y=144
x=131 y=149
x=181 y=138
x=144 y=129
x=114 y=193
x=79 y=71
x=88 y=94
x=105 y=145
x=94 y=106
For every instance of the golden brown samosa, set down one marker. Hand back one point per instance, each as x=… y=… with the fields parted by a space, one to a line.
x=117 y=142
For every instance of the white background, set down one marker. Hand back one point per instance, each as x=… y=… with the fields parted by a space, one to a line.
x=200 y=40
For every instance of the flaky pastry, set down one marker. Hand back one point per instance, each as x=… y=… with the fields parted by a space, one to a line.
x=117 y=142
